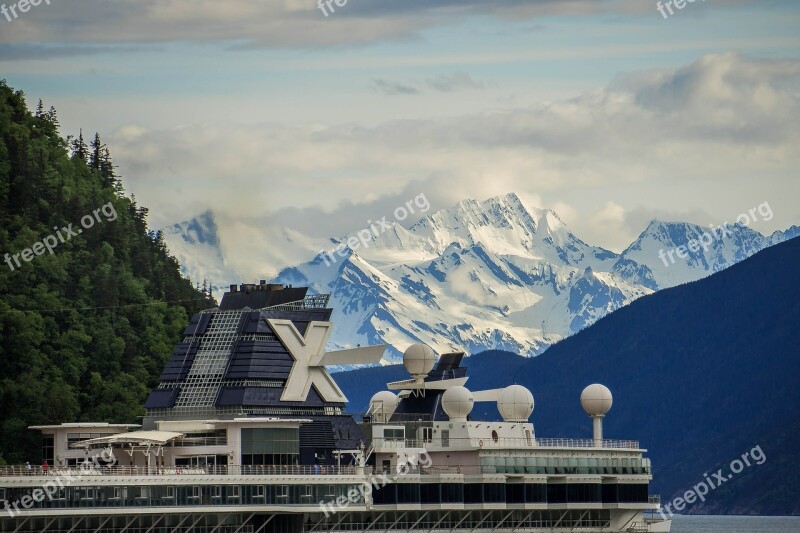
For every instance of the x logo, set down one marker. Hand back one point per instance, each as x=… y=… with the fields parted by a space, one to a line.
x=308 y=369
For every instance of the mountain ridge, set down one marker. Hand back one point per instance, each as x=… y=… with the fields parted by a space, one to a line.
x=700 y=373
x=494 y=274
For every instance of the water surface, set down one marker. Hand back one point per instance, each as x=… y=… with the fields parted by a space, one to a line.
x=735 y=524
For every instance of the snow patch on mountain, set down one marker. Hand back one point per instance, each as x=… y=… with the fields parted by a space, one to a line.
x=484 y=275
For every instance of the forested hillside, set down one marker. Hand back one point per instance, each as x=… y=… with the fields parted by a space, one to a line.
x=84 y=330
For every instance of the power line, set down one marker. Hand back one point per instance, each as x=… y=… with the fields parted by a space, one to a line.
x=97 y=308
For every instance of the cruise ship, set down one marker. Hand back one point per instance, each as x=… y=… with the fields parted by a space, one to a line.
x=248 y=432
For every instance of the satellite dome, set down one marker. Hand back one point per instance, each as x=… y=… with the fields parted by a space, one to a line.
x=596 y=399
x=515 y=404
x=418 y=360
x=457 y=402
x=382 y=405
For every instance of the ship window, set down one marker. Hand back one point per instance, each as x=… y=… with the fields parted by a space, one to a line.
x=427 y=435
x=217 y=437
x=195 y=492
x=233 y=492
x=445 y=438
x=282 y=491
x=170 y=492
x=394 y=433
x=270 y=446
x=216 y=491
x=48 y=445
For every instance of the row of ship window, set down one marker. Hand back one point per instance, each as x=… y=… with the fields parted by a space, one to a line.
x=169 y=495
x=565 y=465
x=402 y=493
x=397 y=493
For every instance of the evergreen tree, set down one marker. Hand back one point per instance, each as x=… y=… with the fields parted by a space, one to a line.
x=79 y=148
x=85 y=331
x=96 y=155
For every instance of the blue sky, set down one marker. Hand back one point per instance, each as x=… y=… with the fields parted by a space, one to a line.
x=600 y=110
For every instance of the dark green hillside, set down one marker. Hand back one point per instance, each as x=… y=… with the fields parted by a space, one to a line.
x=85 y=330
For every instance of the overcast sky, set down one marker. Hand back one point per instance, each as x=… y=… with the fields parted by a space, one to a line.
x=272 y=113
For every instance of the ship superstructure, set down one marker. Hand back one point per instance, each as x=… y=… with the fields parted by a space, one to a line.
x=247 y=432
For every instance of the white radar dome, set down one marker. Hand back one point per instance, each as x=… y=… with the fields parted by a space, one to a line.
x=382 y=405
x=418 y=360
x=596 y=399
x=515 y=404
x=457 y=402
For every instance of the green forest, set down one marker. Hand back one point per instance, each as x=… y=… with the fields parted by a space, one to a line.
x=85 y=330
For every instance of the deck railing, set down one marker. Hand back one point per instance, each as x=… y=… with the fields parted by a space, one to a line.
x=587 y=443
x=437 y=443
x=229 y=470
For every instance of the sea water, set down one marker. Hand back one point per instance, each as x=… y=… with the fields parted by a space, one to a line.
x=735 y=524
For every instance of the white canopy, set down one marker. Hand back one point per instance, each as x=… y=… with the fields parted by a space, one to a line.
x=135 y=438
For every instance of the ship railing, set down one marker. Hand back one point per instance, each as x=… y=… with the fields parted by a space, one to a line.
x=209 y=470
x=438 y=442
x=587 y=443
x=314 y=301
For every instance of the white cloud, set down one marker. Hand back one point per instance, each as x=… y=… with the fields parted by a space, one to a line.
x=671 y=139
x=249 y=24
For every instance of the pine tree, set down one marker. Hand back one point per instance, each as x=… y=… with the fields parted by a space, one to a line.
x=65 y=355
x=52 y=118
x=96 y=155
x=79 y=148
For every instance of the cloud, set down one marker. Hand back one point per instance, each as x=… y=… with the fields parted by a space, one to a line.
x=28 y=52
x=454 y=82
x=391 y=88
x=446 y=83
x=692 y=139
x=245 y=24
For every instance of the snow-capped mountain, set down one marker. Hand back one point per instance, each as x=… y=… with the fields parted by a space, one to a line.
x=652 y=260
x=479 y=275
x=223 y=250
x=492 y=274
